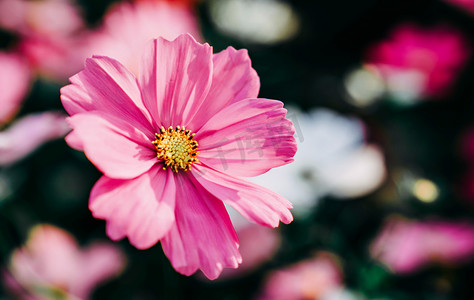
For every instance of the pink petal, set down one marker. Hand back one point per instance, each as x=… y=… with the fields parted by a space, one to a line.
x=141 y=208
x=38 y=128
x=105 y=85
x=254 y=202
x=233 y=79
x=128 y=27
x=99 y=262
x=175 y=78
x=115 y=147
x=43 y=259
x=313 y=278
x=247 y=138
x=74 y=141
x=14 y=84
x=203 y=236
x=51 y=259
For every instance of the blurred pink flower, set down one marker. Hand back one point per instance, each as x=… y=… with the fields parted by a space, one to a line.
x=28 y=133
x=468 y=5
x=49 y=33
x=54 y=59
x=128 y=27
x=14 y=84
x=46 y=18
x=417 y=62
x=133 y=131
x=313 y=278
x=52 y=266
x=405 y=246
x=258 y=245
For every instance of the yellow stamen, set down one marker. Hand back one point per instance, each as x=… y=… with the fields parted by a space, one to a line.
x=176 y=148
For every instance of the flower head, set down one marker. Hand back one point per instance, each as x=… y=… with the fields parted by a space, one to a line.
x=172 y=144
x=405 y=246
x=417 y=62
x=45 y=18
x=49 y=34
x=52 y=266
x=312 y=278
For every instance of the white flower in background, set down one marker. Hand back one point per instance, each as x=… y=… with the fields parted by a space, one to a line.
x=342 y=294
x=255 y=21
x=332 y=159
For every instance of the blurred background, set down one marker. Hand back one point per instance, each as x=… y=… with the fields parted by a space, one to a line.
x=381 y=94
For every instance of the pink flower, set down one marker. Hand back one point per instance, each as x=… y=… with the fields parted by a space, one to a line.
x=189 y=110
x=47 y=18
x=417 y=62
x=127 y=28
x=468 y=5
x=14 y=84
x=39 y=128
x=52 y=264
x=49 y=34
x=313 y=278
x=405 y=246
x=54 y=59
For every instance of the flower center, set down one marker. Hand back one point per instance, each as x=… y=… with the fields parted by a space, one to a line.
x=176 y=148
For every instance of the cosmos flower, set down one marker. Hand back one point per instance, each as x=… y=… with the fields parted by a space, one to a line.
x=39 y=128
x=52 y=266
x=128 y=27
x=314 y=278
x=417 y=63
x=48 y=33
x=53 y=59
x=45 y=18
x=332 y=159
x=405 y=246
x=172 y=145
x=14 y=84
